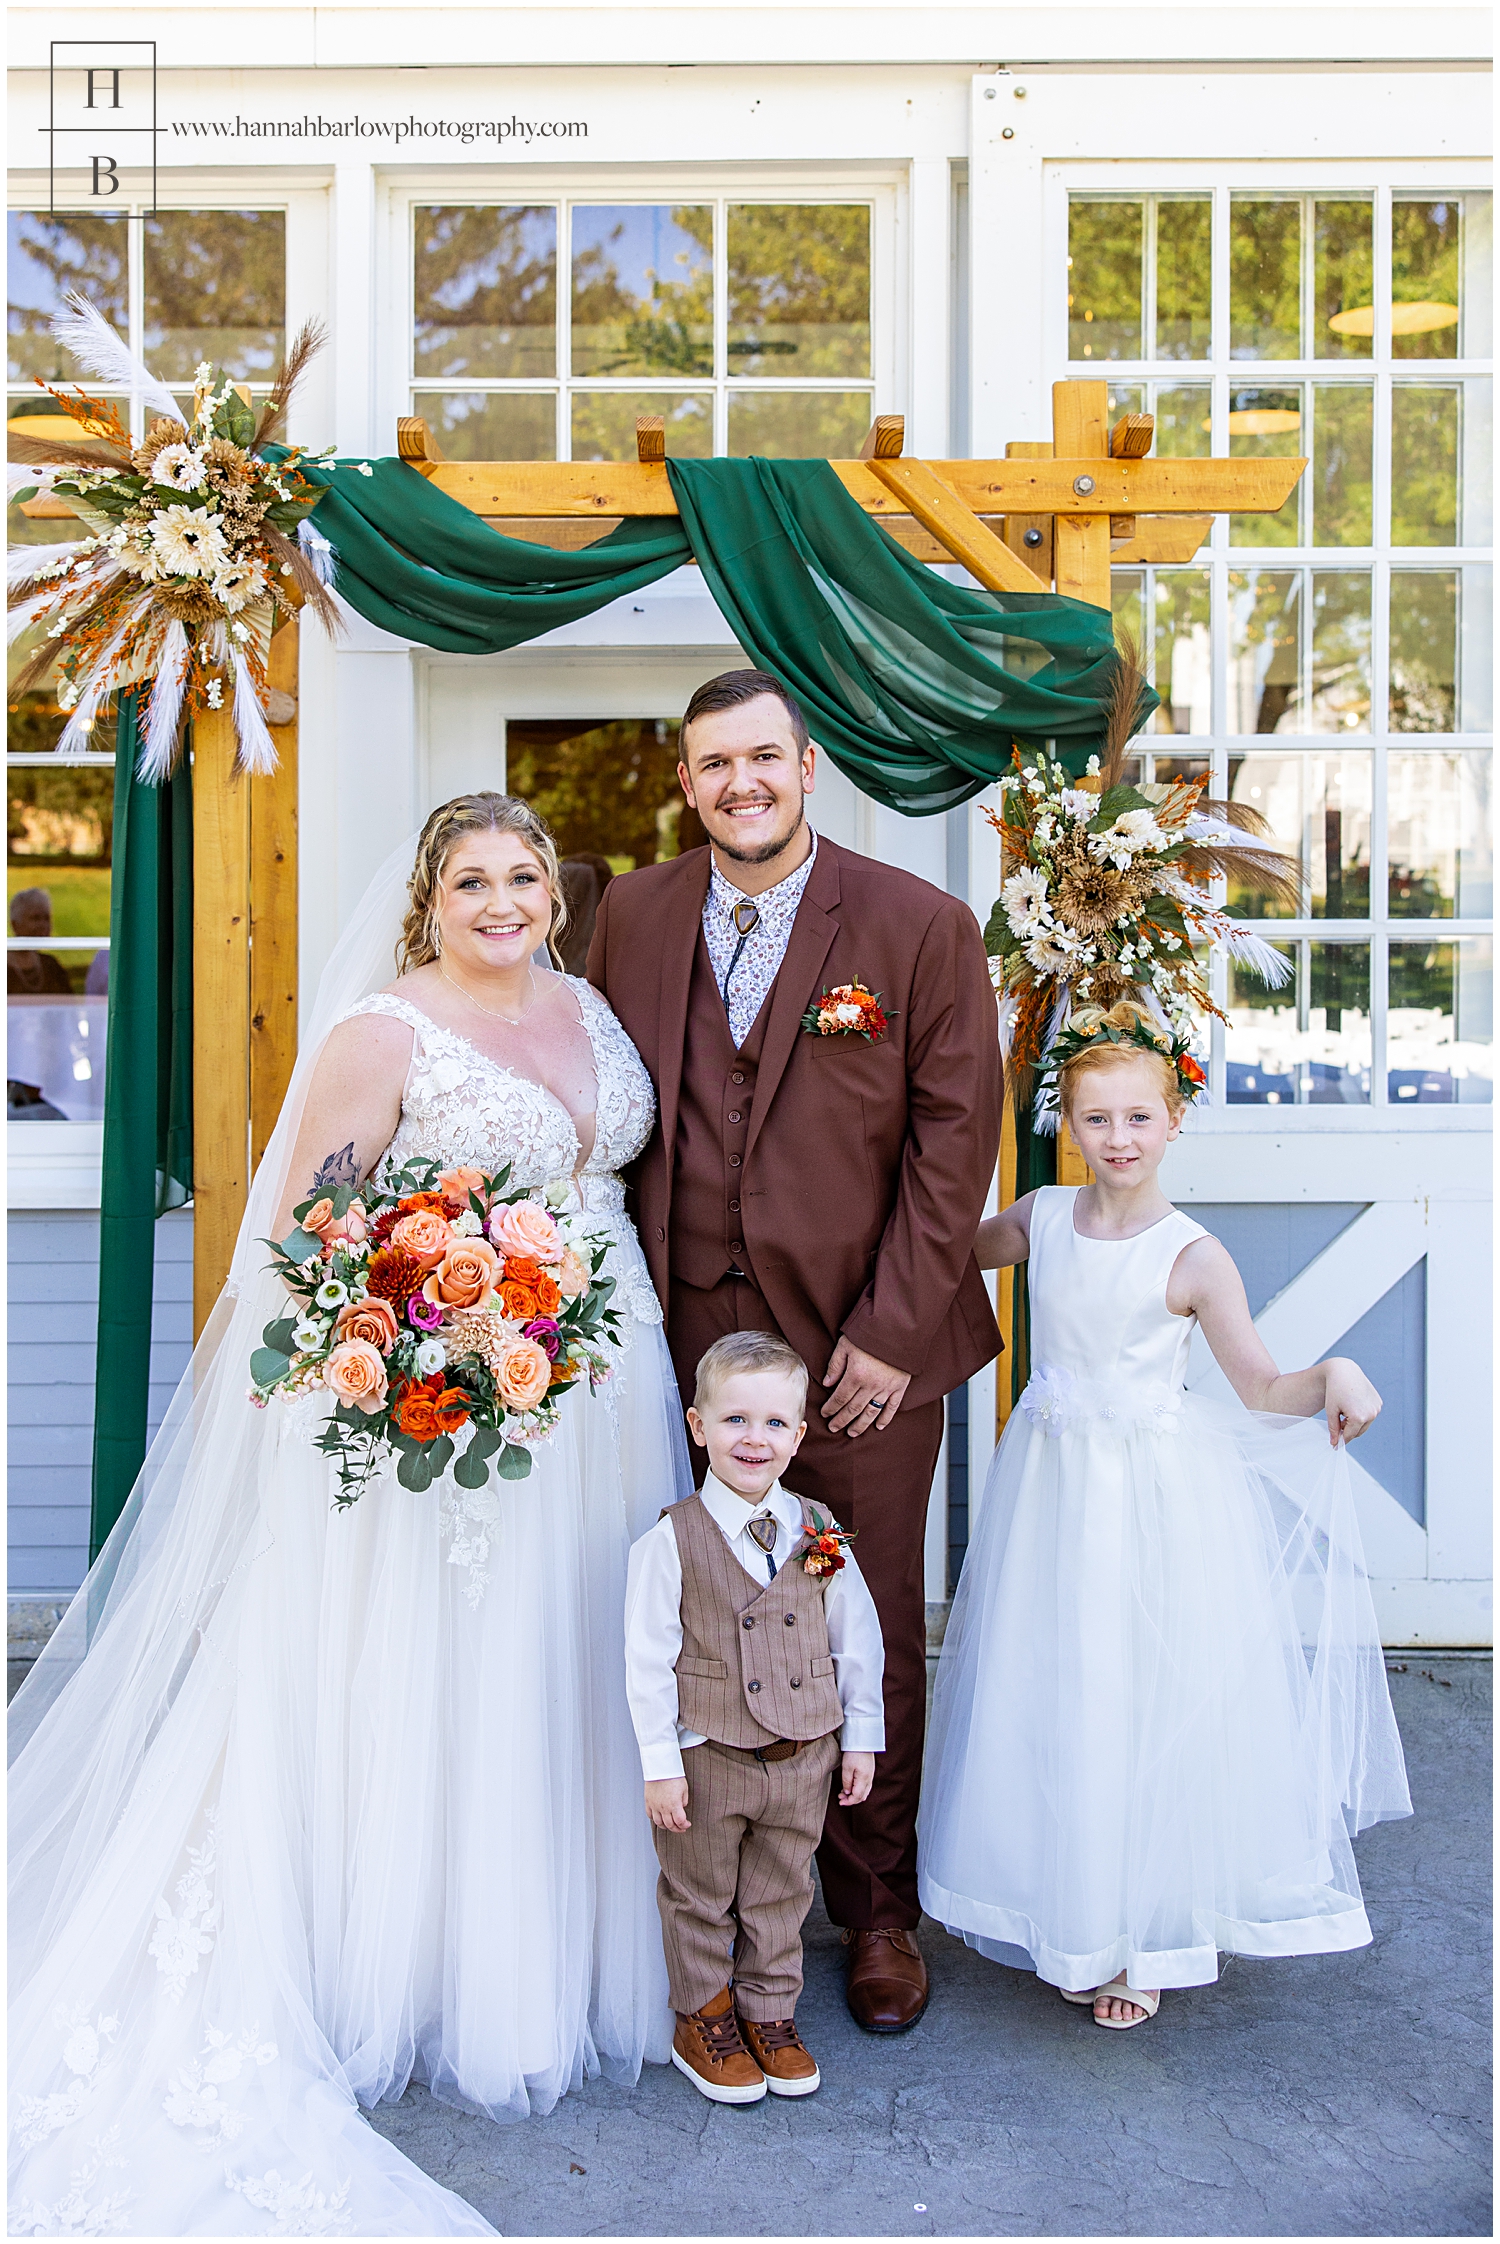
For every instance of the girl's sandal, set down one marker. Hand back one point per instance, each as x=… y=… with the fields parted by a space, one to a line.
x=1118 y=1991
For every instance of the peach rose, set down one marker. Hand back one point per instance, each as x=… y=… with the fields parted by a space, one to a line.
x=526 y=1229
x=460 y=1182
x=424 y=1236
x=466 y=1276
x=371 y=1320
x=356 y=1373
x=523 y=1373
x=352 y=1227
x=573 y=1275
x=318 y=1216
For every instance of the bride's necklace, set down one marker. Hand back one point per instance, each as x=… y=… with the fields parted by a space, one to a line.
x=515 y=1019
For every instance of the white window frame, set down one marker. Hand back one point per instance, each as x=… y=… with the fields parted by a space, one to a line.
x=1126 y=178
x=884 y=187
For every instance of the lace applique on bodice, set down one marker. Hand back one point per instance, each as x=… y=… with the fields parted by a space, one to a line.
x=460 y=1106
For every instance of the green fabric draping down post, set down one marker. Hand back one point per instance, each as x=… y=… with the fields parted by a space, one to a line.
x=148 y=1099
x=917 y=687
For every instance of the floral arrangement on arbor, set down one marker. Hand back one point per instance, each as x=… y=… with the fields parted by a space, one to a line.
x=1106 y=902
x=441 y=1316
x=195 y=540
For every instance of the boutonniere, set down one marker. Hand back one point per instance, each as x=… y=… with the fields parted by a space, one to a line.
x=823 y=1551
x=848 y=1010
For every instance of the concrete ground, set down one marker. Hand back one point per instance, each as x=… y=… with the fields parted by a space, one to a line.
x=1325 y=2096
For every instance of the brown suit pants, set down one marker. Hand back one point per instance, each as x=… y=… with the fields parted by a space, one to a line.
x=734 y=1889
x=878 y=1486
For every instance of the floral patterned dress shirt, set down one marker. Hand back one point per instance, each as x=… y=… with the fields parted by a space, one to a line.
x=760 y=960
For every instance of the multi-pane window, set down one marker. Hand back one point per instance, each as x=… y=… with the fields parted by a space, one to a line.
x=541 y=330
x=1328 y=666
x=181 y=286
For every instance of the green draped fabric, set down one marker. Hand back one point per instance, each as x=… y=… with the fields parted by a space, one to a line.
x=918 y=688
x=148 y=1100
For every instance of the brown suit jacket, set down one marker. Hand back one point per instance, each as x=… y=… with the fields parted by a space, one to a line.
x=866 y=1165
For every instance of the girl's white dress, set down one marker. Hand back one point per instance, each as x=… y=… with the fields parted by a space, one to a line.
x=337 y=1800
x=1161 y=1708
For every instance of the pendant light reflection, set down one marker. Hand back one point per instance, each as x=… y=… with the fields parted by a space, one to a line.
x=1406 y=319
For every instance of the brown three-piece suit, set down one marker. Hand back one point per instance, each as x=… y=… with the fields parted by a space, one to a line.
x=823 y=1186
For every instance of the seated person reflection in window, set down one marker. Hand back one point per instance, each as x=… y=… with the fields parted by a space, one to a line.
x=34 y=973
x=585 y=878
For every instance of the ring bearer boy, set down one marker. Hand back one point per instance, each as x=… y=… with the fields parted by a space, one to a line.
x=754 y=1664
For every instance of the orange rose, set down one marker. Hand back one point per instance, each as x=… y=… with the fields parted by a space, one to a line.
x=520 y=1302
x=424 y=1235
x=526 y=1229
x=548 y=1296
x=460 y=1182
x=370 y=1320
x=426 y=1408
x=465 y=1277
x=573 y=1276
x=524 y=1268
x=318 y=1217
x=523 y=1373
x=356 y=1373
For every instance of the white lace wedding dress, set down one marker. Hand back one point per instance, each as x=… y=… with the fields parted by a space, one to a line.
x=340 y=1800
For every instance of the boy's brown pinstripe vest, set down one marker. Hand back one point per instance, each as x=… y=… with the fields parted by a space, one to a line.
x=755 y=1663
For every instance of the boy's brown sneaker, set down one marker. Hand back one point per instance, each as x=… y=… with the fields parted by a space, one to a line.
x=776 y=2046
x=707 y=2047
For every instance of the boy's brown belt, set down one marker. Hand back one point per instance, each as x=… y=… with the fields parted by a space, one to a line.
x=781 y=1750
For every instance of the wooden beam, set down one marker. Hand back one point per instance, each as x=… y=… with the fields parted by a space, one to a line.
x=416 y=444
x=651 y=437
x=221 y=1004
x=1130 y=438
x=1080 y=431
x=1161 y=537
x=1030 y=535
x=273 y=910
x=939 y=510
x=887 y=437
x=599 y=489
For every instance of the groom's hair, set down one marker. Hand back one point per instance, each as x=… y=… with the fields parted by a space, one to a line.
x=733 y=687
x=748 y=1351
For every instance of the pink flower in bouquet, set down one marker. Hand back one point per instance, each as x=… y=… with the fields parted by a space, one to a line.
x=424 y=1314
x=372 y=1320
x=573 y=1275
x=466 y=1276
x=523 y=1373
x=544 y=1331
x=356 y=1373
x=424 y=1236
x=460 y=1182
x=525 y=1229
x=352 y=1228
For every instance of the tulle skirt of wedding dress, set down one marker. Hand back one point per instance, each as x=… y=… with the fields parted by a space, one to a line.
x=1161 y=1708
x=384 y=1824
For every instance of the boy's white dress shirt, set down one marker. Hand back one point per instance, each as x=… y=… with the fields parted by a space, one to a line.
x=653 y=1628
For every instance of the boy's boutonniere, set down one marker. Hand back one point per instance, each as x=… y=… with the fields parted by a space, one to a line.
x=848 y=1010
x=823 y=1552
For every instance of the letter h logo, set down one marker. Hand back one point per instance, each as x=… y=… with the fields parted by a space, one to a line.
x=101 y=124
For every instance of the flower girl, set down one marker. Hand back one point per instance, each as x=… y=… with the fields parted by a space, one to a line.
x=1161 y=1710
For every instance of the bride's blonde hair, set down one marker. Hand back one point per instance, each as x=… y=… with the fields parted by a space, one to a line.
x=445 y=829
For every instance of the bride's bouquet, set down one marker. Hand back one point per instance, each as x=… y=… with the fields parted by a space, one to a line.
x=442 y=1315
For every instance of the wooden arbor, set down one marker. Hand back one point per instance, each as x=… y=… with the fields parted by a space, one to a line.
x=1047 y=517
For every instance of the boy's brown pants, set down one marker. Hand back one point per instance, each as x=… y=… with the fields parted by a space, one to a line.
x=734 y=1890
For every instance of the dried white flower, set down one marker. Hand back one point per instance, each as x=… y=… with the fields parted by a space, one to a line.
x=179 y=467
x=1025 y=898
x=187 y=542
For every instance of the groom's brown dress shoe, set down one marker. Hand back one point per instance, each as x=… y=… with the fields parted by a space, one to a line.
x=887 y=1987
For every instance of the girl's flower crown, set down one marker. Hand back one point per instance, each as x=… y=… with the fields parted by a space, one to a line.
x=1091 y=1027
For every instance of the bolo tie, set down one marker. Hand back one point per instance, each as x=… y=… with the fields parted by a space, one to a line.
x=744 y=919
x=762 y=1532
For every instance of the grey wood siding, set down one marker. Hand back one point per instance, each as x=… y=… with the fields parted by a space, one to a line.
x=54 y=1298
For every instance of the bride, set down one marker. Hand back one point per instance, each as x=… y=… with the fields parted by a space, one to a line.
x=307 y=1804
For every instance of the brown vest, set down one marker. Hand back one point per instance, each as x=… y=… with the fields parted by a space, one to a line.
x=713 y=1127
x=755 y=1663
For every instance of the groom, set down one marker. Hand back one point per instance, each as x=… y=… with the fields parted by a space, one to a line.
x=822 y=1187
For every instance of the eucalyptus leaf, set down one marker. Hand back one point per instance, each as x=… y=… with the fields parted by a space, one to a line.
x=300 y=1246
x=267 y=1365
x=279 y=1335
x=415 y=1470
x=471 y=1471
x=513 y=1462
x=439 y=1453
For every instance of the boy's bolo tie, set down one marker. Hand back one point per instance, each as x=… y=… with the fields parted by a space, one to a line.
x=744 y=919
